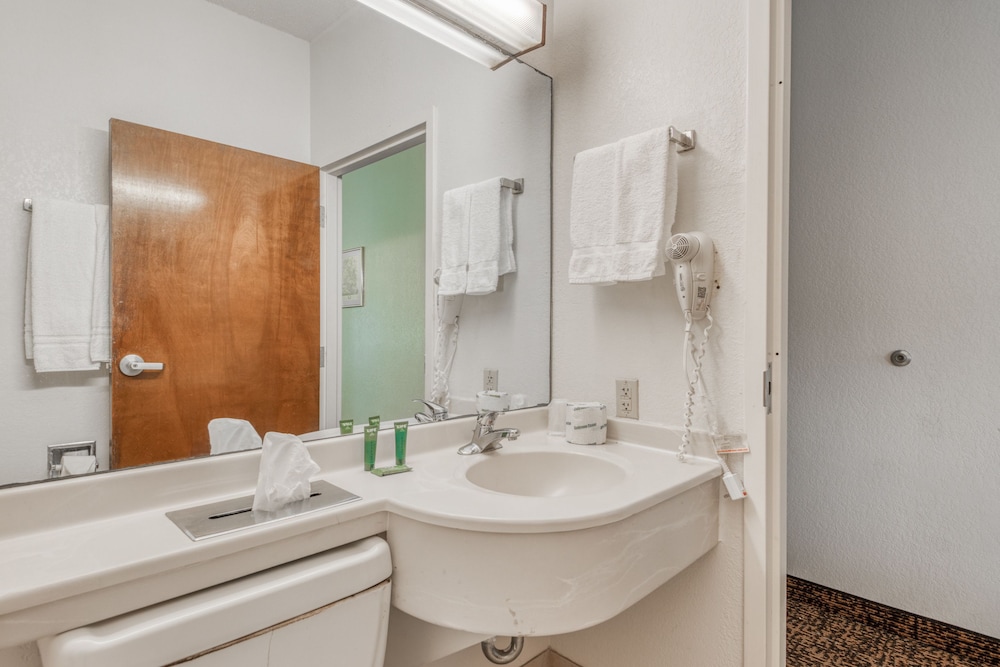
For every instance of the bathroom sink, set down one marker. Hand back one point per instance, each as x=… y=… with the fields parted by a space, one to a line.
x=544 y=537
x=544 y=474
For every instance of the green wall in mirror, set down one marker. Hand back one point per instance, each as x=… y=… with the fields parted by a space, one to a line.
x=382 y=344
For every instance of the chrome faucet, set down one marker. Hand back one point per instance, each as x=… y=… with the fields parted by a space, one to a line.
x=484 y=438
x=437 y=412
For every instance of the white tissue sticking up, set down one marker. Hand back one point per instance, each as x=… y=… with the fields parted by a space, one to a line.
x=586 y=423
x=232 y=435
x=285 y=469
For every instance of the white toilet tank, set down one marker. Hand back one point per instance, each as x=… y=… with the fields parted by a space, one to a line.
x=327 y=609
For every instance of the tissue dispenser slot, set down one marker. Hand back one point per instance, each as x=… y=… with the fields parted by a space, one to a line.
x=228 y=516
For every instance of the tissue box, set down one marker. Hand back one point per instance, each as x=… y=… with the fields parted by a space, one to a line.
x=586 y=423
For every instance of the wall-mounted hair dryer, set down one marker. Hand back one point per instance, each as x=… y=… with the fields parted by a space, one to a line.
x=693 y=257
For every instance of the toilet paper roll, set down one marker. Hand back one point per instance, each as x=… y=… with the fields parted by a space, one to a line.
x=586 y=423
x=493 y=401
x=77 y=464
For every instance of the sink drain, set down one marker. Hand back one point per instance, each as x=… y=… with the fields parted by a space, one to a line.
x=502 y=656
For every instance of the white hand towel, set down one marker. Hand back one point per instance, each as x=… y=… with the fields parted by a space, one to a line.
x=505 y=261
x=622 y=206
x=100 y=312
x=454 y=243
x=480 y=216
x=59 y=287
x=491 y=236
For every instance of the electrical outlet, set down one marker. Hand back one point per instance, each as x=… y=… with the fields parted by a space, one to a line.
x=491 y=379
x=627 y=399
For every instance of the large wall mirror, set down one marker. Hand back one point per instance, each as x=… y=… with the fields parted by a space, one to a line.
x=339 y=87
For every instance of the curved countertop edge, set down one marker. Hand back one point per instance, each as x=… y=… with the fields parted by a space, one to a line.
x=132 y=550
x=456 y=503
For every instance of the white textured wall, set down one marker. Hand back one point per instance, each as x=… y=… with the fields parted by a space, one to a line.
x=66 y=68
x=372 y=79
x=621 y=68
x=894 y=243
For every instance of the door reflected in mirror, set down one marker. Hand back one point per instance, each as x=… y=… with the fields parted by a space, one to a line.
x=327 y=102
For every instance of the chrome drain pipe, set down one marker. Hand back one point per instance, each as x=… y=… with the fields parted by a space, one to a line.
x=502 y=656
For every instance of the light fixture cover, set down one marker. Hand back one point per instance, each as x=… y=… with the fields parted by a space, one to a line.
x=491 y=32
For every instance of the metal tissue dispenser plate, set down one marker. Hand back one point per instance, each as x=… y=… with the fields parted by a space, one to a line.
x=228 y=516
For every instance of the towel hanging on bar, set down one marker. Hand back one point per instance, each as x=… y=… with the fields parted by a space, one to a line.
x=477 y=235
x=66 y=306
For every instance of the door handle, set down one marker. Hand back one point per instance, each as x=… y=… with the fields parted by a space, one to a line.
x=133 y=364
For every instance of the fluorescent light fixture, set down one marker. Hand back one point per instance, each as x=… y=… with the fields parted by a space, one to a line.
x=491 y=32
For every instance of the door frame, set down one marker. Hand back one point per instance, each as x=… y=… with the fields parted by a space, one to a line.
x=766 y=249
x=332 y=175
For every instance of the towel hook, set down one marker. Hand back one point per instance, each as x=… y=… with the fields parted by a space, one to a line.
x=685 y=140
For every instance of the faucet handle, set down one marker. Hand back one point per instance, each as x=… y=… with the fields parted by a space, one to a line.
x=438 y=412
x=485 y=418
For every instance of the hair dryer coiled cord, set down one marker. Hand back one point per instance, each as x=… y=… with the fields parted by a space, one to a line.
x=698 y=355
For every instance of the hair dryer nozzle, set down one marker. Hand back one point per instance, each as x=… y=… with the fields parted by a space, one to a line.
x=682 y=247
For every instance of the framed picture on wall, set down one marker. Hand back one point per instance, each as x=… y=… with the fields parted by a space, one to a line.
x=352 y=278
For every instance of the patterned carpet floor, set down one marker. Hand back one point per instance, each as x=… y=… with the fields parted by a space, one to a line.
x=826 y=628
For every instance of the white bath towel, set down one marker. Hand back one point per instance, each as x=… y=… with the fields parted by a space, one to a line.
x=477 y=237
x=59 y=287
x=100 y=309
x=622 y=206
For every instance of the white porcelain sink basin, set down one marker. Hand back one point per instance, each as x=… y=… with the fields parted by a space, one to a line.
x=544 y=474
x=543 y=537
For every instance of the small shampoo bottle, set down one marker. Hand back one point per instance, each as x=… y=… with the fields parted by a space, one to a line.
x=371 y=440
x=401 y=442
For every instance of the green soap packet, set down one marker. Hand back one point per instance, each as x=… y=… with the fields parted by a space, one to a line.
x=391 y=470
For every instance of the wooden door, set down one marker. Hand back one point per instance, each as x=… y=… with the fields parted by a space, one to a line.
x=215 y=273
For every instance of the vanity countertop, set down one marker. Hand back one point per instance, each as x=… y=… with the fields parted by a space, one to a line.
x=85 y=549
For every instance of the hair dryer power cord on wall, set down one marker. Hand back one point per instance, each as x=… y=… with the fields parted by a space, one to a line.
x=733 y=484
x=698 y=355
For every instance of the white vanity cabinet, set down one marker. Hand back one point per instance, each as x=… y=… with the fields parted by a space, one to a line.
x=331 y=608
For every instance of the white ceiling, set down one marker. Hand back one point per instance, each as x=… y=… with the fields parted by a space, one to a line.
x=305 y=19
